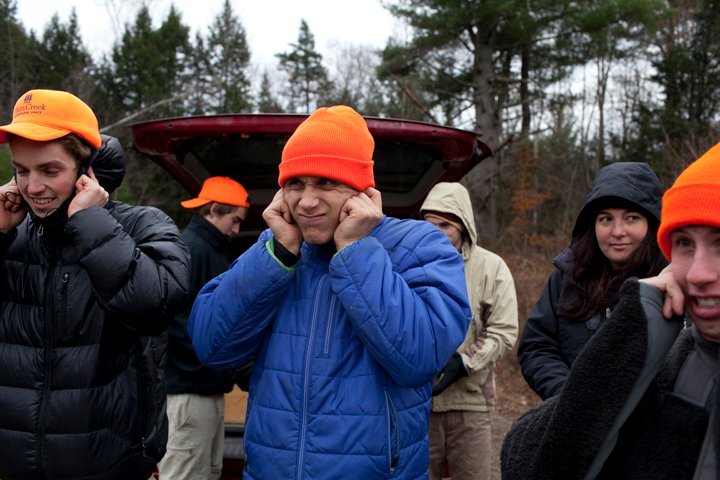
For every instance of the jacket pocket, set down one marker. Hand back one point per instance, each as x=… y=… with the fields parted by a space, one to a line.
x=64 y=292
x=150 y=361
x=393 y=434
x=329 y=328
x=249 y=416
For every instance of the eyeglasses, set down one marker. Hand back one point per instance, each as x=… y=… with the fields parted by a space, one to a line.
x=12 y=197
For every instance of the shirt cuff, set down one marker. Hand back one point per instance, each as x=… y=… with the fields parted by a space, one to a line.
x=285 y=256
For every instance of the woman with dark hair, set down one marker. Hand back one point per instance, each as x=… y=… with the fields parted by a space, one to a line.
x=613 y=239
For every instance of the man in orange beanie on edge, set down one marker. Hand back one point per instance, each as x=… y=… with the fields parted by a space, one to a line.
x=349 y=315
x=652 y=407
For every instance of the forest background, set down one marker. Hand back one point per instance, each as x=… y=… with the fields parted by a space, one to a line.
x=557 y=88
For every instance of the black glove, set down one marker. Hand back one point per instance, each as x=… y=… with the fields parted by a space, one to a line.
x=453 y=371
x=241 y=375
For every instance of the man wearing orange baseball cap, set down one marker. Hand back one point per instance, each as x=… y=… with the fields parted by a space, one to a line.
x=642 y=399
x=348 y=313
x=196 y=392
x=86 y=281
x=218 y=198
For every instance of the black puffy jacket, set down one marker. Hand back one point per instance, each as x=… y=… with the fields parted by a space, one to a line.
x=81 y=385
x=185 y=373
x=550 y=342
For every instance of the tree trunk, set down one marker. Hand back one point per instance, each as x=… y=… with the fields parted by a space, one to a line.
x=483 y=180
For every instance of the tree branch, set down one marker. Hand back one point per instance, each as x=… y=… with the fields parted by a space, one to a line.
x=126 y=119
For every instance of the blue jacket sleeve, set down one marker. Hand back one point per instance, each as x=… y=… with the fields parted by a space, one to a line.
x=234 y=311
x=411 y=312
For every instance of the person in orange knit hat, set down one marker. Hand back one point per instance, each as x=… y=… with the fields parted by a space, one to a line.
x=88 y=284
x=638 y=386
x=347 y=313
x=196 y=394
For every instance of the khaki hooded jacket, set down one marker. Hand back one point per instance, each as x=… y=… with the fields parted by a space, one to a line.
x=491 y=292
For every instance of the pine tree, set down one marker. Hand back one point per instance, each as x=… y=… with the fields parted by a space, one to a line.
x=307 y=77
x=228 y=57
x=672 y=129
x=689 y=75
x=143 y=78
x=267 y=103
x=63 y=62
x=491 y=62
x=16 y=57
x=144 y=72
x=197 y=78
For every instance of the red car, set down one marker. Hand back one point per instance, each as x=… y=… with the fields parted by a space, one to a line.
x=410 y=157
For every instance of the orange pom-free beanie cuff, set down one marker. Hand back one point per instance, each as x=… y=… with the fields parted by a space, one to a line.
x=355 y=173
x=688 y=204
x=334 y=143
x=694 y=198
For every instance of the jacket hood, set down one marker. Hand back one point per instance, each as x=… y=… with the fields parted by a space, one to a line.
x=108 y=163
x=631 y=185
x=453 y=197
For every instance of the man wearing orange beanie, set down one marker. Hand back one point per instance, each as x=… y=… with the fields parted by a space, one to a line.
x=349 y=315
x=652 y=408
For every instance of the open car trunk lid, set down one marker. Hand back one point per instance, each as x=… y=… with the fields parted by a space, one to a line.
x=410 y=156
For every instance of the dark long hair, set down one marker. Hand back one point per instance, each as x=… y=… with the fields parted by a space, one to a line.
x=594 y=280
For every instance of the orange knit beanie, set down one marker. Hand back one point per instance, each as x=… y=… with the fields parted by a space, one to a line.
x=694 y=198
x=332 y=143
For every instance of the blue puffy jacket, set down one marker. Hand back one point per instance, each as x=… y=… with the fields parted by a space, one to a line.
x=346 y=349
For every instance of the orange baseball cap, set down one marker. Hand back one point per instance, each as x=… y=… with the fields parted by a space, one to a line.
x=45 y=115
x=221 y=190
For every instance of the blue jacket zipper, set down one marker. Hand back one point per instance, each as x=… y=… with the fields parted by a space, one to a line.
x=393 y=426
x=328 y=330
x=306 y=378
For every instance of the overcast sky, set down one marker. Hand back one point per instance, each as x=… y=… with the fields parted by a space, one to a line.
x=270 y=25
